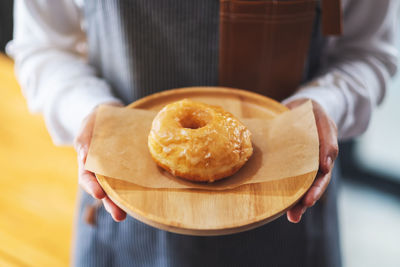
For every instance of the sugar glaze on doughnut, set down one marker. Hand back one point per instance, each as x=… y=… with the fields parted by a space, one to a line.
x=199 y=142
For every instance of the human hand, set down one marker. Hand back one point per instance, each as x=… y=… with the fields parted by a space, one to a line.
x=87 y=179
x=328 y=151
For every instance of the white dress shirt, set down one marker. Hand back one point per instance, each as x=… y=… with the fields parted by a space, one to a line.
x=50 y=62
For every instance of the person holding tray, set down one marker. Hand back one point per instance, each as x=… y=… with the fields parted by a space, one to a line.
x=73 y=55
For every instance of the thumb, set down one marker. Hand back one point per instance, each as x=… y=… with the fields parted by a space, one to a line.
x=327 y=134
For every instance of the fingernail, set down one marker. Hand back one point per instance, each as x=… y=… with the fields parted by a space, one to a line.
x=81 y=154
x=329 y=162
x=303 y=210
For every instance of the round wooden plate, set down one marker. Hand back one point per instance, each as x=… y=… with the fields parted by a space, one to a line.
x=201 y=212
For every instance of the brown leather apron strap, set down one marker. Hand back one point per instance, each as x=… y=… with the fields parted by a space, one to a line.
x=332 y=17
x=263 y=45
x=90 y=212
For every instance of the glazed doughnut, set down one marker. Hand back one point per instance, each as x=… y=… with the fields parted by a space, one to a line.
x=199 y=142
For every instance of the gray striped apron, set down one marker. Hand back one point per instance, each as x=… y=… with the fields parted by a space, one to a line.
x=141 y=47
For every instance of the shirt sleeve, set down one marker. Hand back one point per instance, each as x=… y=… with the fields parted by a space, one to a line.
x=51 y=67
x=356 y=66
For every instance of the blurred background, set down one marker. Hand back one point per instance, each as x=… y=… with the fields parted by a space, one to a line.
x=39 y=184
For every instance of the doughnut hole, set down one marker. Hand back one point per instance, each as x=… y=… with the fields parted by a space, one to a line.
x=194 y=119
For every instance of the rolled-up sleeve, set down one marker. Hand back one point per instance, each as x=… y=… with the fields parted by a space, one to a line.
x=356 y=66
x=51 y=67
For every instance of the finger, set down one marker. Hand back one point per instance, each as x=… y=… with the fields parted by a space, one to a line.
x=89 y=183
x=295 y=213
x=116 y=212
x=317 y=189
x=82 y=147
x=82 y=144
x=86 y=130
x=82 y=153
x=327 y=134
x=84 y=137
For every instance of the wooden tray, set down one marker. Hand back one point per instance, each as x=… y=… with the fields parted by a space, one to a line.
x=200 y=212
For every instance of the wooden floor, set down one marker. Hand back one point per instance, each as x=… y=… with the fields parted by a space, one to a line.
x=38 y=184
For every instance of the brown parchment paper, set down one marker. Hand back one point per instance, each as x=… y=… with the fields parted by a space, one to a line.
x=286 y=146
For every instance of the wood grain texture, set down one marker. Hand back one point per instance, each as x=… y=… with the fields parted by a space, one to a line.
x=202 y=212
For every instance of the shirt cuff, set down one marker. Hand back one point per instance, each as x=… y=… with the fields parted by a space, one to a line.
x=331 y=99
x=65 y=114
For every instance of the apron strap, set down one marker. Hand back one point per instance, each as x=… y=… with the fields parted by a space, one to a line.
x=332 y=17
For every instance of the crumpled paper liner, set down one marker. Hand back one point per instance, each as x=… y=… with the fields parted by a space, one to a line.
x=286 y=146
